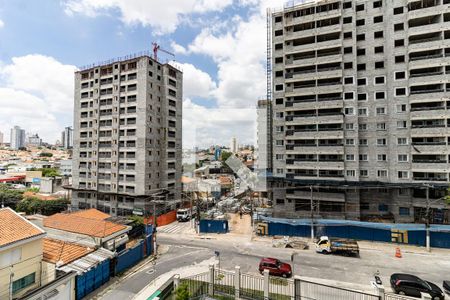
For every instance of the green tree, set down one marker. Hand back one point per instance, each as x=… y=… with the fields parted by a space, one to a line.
x=49 y=172
x=45 y=154
x=9 y=196
x=33 y=205
x=182 y=292
x=225 y=155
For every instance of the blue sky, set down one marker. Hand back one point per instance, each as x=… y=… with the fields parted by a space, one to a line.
x=219 y=44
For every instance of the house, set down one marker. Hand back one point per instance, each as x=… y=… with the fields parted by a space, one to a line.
x=21 y=253
x=89 y=228
x=61 y=253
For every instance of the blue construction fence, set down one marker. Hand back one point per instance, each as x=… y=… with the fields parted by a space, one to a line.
x=413 y=234
x=91 y=280
x=214 y=226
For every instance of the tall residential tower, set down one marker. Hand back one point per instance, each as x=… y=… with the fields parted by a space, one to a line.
x=360 y=97
x=127 y=135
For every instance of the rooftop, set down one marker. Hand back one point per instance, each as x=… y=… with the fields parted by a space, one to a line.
x=62 y=252
x=15 y=228
x=92 y=214
x=76 y=223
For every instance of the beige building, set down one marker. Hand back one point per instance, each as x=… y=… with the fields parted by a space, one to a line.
x=21 y=254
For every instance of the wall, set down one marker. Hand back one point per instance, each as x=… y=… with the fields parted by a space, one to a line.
x=31 y=258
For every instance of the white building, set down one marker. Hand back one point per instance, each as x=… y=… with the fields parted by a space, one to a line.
x=17 y=138
x=233 y=145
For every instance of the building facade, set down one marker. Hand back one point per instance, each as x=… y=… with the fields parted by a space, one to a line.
x=17 y=138
x=264 y=136
x=67 y=138
x=1 y=138
x=34 y=140
x=127 y=135
x=360 y=95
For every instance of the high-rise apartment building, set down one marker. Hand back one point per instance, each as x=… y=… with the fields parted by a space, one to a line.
x=17 y=138
x=67 y=138
x=127 y=135
x=234 y=145
x=1 y=138
x=34 y=140
x=360 y=96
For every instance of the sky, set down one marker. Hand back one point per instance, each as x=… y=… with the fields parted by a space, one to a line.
x=220 y=45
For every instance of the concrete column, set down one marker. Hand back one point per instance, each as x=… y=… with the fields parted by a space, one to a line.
x=237 y=281
x=380 y=291
x=266 y=284
x=176 y=280
x=211 y=280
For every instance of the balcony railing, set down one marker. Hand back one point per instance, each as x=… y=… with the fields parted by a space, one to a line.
x=426 y=91
x=425 y=57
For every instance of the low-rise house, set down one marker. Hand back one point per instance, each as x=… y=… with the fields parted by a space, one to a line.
x=89 y=228
x=21 y=253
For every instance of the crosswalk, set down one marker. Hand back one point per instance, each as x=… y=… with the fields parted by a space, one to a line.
x=175 y=227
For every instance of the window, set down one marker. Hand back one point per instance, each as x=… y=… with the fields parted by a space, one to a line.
x=279 y=157
x=280 y=171
x=399 y=26
x=398 y=10
x=400 y=92
x=377 y=4
x=381 y=126
x=278 y=32
x=379 y=49
x=362 y=126
x=402 y=141
x=279 y=115
x=378 y=34
x=362 y=97
x=401 y=124
x=349 y=111
x=360 y=52
x=350 y=157
x=278 y=60
x=279 y=142
x=278 y=128
x=347 y=20
x=378 y=19
x=347 y=5
x=351 y=173
x=379 y=65
x=278 y=19
x=399 y=59
x=279 y=74
x=347 y=35
x=348 y=95
x=363 y=173
x=362 y=81
x=402 y=175
x=382 y=157
x=381 y=110
x=380 y=95
x=279 y=87
x=382 y=173
x=361 y=67
x=23 y=282
x=361 y=22
x=361 y=37
x=400 y=75
x=348 y=80
x=348 y=50
x=401 y=108
x=381 y=142
x=403 y=211
x=349 y=126
x=402 y=158
x=362 y=112
x=348 y=65
x=363 y=157
x=399 y=43
x=363 y=142
x=279 y=101
x=380 y=79
x=349 y=142
x=360 y=7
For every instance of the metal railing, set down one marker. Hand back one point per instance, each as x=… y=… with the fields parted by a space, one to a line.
x=252 y=287
x=224 y=283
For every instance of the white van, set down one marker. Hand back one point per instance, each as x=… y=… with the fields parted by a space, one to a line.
x=184 y=214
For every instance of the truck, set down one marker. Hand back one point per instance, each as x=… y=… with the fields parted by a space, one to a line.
x=328 y=245
x=185 y=214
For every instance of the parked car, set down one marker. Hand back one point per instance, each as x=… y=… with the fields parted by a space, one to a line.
x=446 y=285
x=275 y=267
x=410 y=285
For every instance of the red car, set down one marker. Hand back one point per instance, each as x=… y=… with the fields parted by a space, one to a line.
x=275 y=267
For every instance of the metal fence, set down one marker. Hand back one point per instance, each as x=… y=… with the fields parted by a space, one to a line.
x=280 y=288
x=307 y=290
x=252 y=287
x=224 y=283
x=197 y=285
x=389 y=296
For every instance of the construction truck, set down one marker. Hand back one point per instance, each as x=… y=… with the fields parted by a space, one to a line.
x=328 y=245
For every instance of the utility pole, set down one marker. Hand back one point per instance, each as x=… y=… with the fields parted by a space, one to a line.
x=312 y=214
x=427 y=226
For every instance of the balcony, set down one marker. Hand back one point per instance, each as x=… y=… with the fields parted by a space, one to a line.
x=423 y=29
x=423 y=12
x=425 y=44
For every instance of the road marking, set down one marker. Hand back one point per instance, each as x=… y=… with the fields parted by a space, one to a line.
x=150 y=272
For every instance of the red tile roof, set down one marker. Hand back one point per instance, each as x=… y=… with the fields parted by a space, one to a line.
x=92 y=214
x=62 y=252
x=77 y=224
x=15 y=228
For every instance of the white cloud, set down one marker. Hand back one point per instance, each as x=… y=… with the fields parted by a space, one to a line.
x=2 y=24
x=196 y=83
x=36 y=93
x=163 y=15
x=178 y=49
